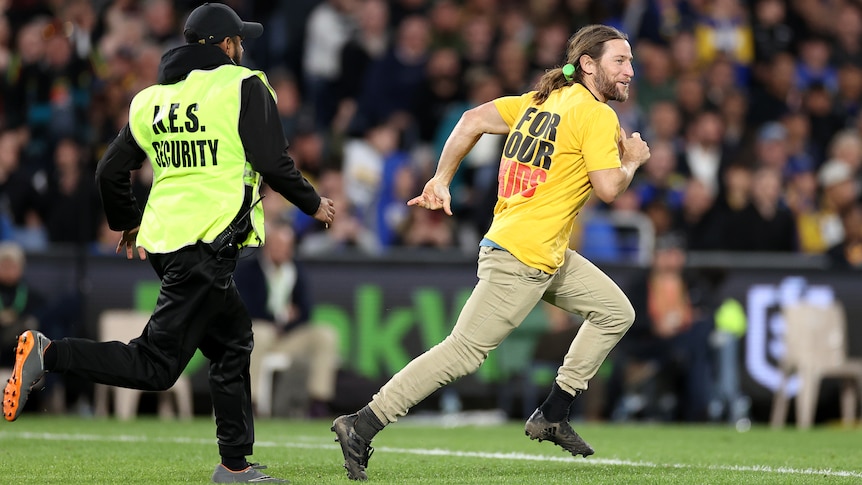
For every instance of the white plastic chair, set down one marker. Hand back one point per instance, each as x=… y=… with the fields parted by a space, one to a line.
x=271 y=363
x=815 y=346
x=123 y=326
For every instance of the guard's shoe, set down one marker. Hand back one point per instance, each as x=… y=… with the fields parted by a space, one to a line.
x=252 y=474
x=561 y=433
x=29 y=369
x=356 y=449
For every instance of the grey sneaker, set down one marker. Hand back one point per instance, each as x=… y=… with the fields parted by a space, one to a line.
x=356 y=450
x=252 y=474
x=29 y=369
x=561 y=434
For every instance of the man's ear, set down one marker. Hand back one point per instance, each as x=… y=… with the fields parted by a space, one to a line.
x=588 y=65
x=225 y=44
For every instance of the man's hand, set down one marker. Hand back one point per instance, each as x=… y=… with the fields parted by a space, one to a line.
x=434 y=196
x=633 y=149
x=128 y=241
x=326 y=211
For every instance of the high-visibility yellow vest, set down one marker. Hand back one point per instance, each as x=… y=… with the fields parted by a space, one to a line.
x=190 y=132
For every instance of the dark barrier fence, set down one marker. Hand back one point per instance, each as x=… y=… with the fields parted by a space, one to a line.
x=388 y=310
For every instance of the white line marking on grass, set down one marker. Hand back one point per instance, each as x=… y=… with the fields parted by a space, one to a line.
x=439 y=452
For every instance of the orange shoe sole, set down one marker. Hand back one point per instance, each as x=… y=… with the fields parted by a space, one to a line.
x=12 y=391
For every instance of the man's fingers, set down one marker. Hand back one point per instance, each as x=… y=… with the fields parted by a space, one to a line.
x=415 y=200
x=636 y=135
x=622 y=133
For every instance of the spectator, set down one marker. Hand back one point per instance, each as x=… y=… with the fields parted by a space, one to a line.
x=766 y=224
x=698 y=220
x=275 y=289
x=663 y=21
x=369 y=43
x=846 y=146
x=670 y=336
x=656 y=82
x=690 y=96
x=346 y=232
x=683 y=49
x=512 y=65
x=771 y=148
x=329 y=27
x=704 y=157
x=391 y=84
x=442 y=88
x=848 y=253
x=721 y=79
x=773 y=93
x=802 y=154
x=289 y=101
x=364 y=162
x=840 y=191
x=846 y=24
x=665 y=124
x=771 y=31
x=67 y=201
x=311 y=151
x=848 y=100
x=477 y=39
x=392 y=213
x=445 y=17
x=19 y=302
x=801 y=194
x=549 y=44
x=659 y=180
x=734 y=112
x=817 y=103
x=162 y=26
x=723 y=30
x=736 y=192
x=813 y=65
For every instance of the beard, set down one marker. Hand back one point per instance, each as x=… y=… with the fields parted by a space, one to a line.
x=609 y=89
x=237 y=58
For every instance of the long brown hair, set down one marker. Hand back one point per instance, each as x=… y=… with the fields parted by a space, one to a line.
x=590 y=41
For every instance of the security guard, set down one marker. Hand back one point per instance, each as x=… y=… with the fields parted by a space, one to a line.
x=211 y=131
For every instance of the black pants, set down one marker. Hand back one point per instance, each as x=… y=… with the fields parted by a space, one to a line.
x=198 y=308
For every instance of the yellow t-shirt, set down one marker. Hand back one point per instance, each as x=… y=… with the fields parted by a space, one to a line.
x=542 y=182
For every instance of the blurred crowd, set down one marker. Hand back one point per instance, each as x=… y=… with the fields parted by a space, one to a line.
x=751 y=110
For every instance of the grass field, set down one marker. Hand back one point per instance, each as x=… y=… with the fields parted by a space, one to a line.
x=37 y=449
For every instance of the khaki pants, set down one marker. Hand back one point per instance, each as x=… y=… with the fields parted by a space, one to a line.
x=316 y=345
x=506 y=293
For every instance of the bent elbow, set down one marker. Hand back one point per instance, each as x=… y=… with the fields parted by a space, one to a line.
x=472 y=119
x=605 y=194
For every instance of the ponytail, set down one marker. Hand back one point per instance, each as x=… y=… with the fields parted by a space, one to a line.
x=552 y=79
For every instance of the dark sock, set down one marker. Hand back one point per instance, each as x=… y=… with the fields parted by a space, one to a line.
x=234 y=463
x=49 y=356
x=556 y=406
x=367 y=424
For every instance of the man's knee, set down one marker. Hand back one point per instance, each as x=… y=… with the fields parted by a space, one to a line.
x=627 y=316
x=164 y=380
x=467 y=353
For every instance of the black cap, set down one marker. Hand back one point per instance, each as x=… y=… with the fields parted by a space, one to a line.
x=212 y=22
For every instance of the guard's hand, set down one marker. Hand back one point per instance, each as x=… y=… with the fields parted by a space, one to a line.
x=128 y=241
x=434 y=196
x=326 y=211
x=633 y=148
